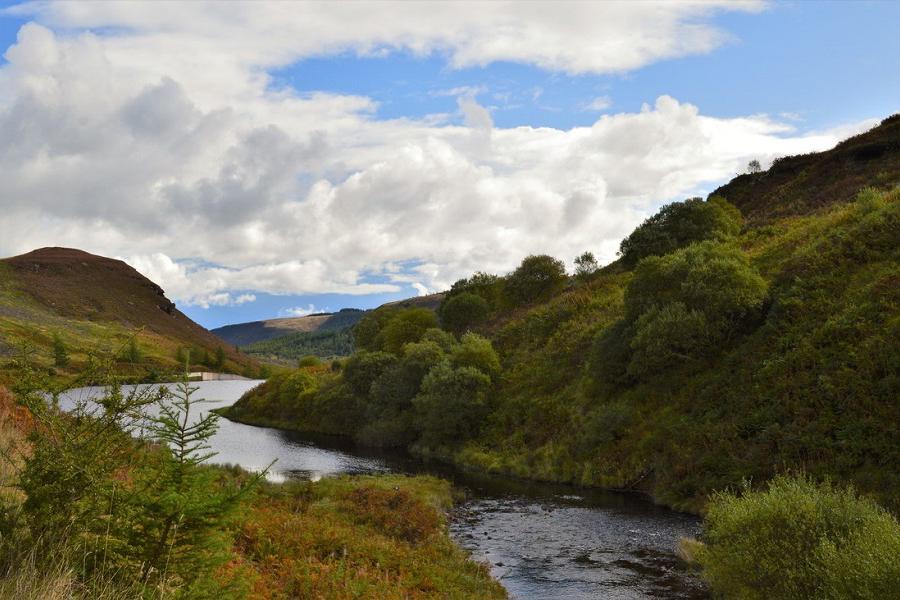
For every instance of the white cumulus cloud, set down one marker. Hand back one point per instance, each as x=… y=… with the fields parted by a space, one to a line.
x=160 y=139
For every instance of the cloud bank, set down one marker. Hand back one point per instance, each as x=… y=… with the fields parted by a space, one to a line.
x=162 y=140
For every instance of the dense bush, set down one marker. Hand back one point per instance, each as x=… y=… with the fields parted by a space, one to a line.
x=797 y=539
x=462 y=311
x=484 y=285
x=363 y=368
x=453 y=404
x=679 y=224
x=538 y=277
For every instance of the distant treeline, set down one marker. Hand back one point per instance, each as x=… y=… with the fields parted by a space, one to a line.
x=325 y=344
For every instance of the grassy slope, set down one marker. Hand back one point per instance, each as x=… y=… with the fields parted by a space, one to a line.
x=96 y=304
x=813 y=387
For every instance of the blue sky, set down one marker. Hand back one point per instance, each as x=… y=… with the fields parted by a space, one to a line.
x=813 y=66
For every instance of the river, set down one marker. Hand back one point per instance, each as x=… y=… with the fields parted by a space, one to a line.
x=543 y=542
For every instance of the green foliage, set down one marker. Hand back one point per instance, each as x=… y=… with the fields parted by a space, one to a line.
x=294 y=346
x=366 y=332
x=453 y=404
x=310 y=360
x=484 y=285
x=133 y=353
x=797 y=539
x=462 y=311
x=538 y=277
x=679 y=224
x=389 y=329
x=119 y=510
x=60 y=352
x=219 y=361
x=476 y=352
x=408 y=325
x=668 y=335
x=363 y=368
x=182 y=509
x=585 y=265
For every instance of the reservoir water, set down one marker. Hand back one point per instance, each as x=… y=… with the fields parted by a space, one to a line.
x=543 y=542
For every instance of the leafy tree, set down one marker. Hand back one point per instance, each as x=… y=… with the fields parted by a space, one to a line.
x=444 y=340
x=367 y=330
x=220 y=357
x=60 y=353
x=754 y=167
x=679 y=224
x=462 y=311
x=364 y=367
x=713 y=278
x=408 y=325
x=310 y=360
x=536 y=278
x=182 y=355
x=453 y=404
x=585 y=265
x=477 y=352
x=489 y=287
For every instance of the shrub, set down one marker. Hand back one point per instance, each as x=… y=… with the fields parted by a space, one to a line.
x=798 y=539
x=395 y=512
x=537 y=278
x=453 y=403
x=679 y=224
x=585 y=265
x=713 y=278
x=363 y=368
x=462 y=311
x=310 y=360
x=485 y=285
x=666 y=336
x=477 y=352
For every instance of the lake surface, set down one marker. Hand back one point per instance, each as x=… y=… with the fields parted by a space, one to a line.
x=543 y=542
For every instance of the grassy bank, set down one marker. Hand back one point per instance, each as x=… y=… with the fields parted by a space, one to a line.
x=85 y=509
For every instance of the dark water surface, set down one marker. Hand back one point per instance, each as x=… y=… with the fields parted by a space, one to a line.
x=543 y=542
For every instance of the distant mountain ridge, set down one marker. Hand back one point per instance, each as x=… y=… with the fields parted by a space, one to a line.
x=244 y=334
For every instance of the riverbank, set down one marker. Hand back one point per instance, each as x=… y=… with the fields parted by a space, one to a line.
x=357 y=537
x=468 y=459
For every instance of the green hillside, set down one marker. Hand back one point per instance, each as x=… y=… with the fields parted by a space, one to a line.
x=68 y=308
x=716 y=349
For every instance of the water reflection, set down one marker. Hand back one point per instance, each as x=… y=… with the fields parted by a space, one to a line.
x=543 y=542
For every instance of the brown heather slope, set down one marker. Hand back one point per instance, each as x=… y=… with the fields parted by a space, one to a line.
x=800 y=185
x=93 y=301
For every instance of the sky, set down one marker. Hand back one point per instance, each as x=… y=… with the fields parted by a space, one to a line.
x=260 y=160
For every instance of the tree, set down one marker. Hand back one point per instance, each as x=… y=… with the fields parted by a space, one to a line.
x=220 y=357
x=310 y=360
x=453 y=404
x=180 y=533
x=407 y=325
x=585 y=265
x=668 y=335
x=60 y=353
x=754 y=167
x=537 y=277
x=462 y=311
x=477 y=352
x=679 y=224
x=364 y=367
x=133 y=352
x=486 y=285
x=713 y=278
